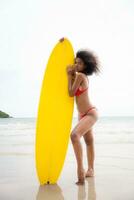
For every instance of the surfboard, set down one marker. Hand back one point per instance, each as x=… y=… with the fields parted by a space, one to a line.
x=54 y=117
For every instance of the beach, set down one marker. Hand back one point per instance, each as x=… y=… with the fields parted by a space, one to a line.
x=114 y=163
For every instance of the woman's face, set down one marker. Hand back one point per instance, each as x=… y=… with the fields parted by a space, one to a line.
x=79 y=64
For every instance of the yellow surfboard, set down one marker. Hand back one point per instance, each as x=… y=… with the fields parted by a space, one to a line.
x=55 y=114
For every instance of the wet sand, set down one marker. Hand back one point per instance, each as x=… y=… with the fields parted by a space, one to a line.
x=114 y=176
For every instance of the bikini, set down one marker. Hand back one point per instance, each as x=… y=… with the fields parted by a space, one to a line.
x=78 y=93
x=81 y=115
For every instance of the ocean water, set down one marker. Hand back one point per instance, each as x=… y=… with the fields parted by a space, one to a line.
x=17 y=135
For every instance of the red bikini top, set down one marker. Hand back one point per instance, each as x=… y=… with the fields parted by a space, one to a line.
x=79 y=92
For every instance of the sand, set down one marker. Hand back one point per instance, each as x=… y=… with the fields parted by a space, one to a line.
x=114 y=176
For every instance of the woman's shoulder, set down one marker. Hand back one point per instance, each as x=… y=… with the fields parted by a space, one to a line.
x=84 y=76
x=80 y=74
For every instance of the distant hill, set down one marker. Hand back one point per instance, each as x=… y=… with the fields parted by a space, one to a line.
x=4 y=115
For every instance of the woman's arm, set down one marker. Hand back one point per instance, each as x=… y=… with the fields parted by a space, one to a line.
x=77 y=82
x=74 y=81
x=70 y=83
x=71 y=77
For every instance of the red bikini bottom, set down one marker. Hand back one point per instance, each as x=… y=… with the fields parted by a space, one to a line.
x=81 y=115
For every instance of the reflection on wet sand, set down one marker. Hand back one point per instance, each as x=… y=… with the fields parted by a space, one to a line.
x=54 y=192
x=91 y=188
x=51 y=192
x=81 y=192
x=90 y=193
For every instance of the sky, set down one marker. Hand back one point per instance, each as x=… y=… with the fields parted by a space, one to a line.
x=29 y=30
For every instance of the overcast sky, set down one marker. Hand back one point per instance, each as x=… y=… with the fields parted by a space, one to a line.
x=29 y=29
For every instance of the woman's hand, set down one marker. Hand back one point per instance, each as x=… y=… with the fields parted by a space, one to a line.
x=70 y=70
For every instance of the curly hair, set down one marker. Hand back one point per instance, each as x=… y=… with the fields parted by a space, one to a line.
x=90 y=60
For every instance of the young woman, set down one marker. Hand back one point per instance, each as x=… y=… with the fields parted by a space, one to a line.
x=86 y=63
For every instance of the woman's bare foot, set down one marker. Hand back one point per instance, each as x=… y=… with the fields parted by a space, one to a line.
x=90 y=173
x=81 y=177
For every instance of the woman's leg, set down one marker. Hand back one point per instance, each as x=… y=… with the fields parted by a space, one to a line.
x=83 y=126
x=89 y=140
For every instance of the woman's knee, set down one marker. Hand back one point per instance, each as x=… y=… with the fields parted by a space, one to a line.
x=74 y=137
x=89 y=141
x=88 y=138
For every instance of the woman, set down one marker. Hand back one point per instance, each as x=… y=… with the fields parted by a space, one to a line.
x=86 y=64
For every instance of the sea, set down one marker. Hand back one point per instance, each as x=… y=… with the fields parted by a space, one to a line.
x=17 y=135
